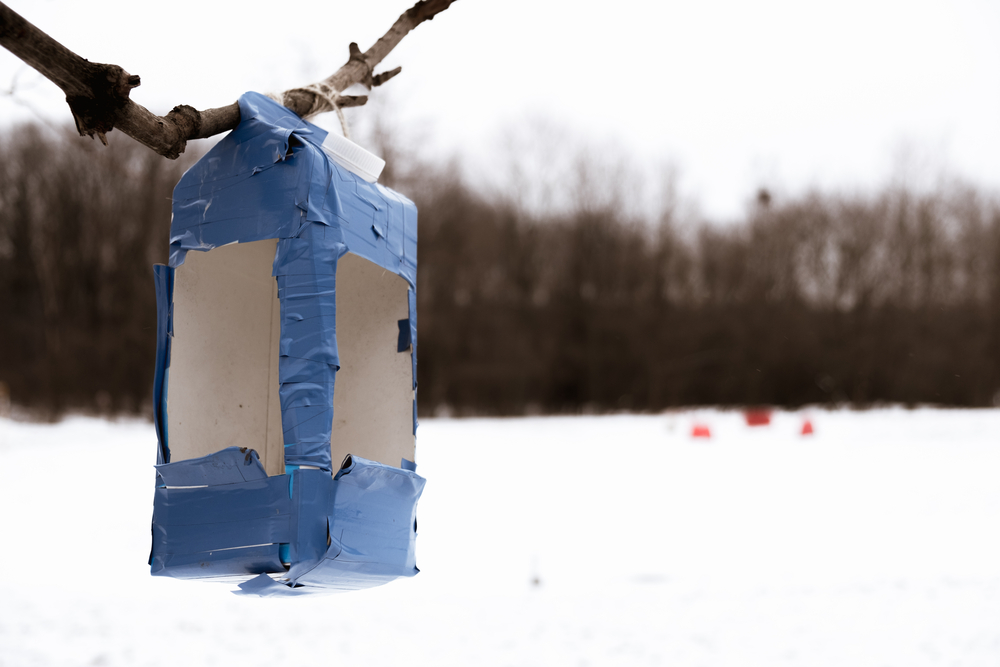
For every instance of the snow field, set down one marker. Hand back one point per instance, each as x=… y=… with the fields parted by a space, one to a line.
x=872 y=542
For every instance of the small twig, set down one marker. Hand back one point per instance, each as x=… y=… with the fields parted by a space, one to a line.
x=12 y=93
x=379 y=79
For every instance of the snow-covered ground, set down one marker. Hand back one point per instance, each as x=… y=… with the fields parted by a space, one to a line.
x=873 y=542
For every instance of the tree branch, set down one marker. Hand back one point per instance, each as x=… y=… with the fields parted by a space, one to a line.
x=98 y=94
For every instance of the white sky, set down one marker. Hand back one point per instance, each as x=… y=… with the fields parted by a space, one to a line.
x=781 y=93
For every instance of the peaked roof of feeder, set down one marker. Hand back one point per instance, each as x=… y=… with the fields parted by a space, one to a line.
x=235 y=193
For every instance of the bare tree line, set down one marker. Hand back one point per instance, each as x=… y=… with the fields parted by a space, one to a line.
x=890 y=296
x=80 y=227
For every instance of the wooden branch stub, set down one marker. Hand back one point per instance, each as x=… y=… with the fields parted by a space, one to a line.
x=355 y=55
x=98 y=95
x=96 y=110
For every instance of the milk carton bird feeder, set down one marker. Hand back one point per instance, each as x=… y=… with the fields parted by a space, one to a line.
x=285 y=404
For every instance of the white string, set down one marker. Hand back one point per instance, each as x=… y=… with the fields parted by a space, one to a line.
x=324 y=99
x=343 y=120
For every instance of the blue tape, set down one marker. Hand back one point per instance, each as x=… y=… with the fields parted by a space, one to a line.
x=220 y=530
x=411 y=295
x=265 y=587
x=227 y=466
x=218 y=564
x=370 y=533
x=163 y=281
x=412 y=300
x=403 y=342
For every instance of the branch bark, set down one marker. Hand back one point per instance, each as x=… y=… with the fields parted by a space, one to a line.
x=98 y=94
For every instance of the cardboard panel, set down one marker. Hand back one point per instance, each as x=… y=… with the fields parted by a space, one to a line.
x=373 y=396
x=222 y=387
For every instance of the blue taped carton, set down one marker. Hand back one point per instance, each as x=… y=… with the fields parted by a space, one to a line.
x=221 y=516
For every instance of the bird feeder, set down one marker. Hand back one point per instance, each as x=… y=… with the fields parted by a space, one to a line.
x=284 y=397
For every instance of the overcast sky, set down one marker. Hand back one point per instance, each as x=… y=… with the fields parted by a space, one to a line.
x=781 y=93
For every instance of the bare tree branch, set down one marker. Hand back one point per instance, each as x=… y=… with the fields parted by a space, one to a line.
x=98 y=94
